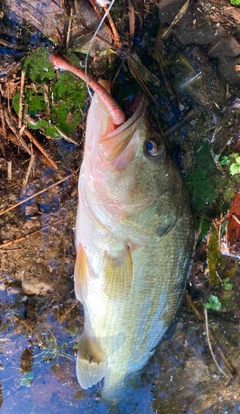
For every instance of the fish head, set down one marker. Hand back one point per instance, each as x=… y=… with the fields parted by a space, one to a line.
x=126 y=170
x=111 y=152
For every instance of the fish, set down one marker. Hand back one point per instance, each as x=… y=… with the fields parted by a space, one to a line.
x=134 y=241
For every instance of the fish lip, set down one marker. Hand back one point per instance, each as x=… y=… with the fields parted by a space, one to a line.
x=113 y=144
x=133 y=121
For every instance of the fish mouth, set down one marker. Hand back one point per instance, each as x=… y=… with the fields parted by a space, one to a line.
x=114 y=143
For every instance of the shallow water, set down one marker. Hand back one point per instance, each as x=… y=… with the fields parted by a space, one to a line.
x=38 y=367
x=40 y=319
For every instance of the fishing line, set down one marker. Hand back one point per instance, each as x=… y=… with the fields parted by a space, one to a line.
x=95 y=34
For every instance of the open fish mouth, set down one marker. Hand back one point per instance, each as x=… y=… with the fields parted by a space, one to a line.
x=114 y=143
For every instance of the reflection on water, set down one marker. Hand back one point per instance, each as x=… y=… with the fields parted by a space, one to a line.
x=40 y=327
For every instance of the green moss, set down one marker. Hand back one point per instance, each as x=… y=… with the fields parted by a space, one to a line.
x=214 y=257
x=202 y=181
x=38 y=68
x=51 y=99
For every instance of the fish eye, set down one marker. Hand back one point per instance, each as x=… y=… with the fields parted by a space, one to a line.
x=152 y=147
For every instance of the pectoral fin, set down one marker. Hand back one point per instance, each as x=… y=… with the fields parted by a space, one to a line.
x=91 y=366
x=80 y=274
x=118 y=273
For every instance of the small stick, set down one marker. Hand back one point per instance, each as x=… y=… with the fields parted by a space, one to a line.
x=225 y=359
x=46 y=98
x=70 y=22
x=3 y=129
x=8 y=97
x=176 y=19
x=24 y=323
x=192 y=306
x=25 y=181
x=100 y=17
x=3 y=120
x=131 y=20
x=66 y=137
x=141 y=82
x=112 y=106
x=137 y=12
x=19 y=239
x=113 y=27
x=9 y=170
x=36 y=194
x=210 y=346
x=108 y=44
x=11 y=125
x=41 y=149
x=20 y=112
x=180 y=123
x=62 y=318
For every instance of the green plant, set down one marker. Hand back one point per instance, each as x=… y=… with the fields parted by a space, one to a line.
x=27 y=378
x=75 y=346
x=233 y=160
x=235 y=2
x=227 y=285
x=213 y=303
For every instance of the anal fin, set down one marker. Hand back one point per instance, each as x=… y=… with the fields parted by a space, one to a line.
x=91 y=365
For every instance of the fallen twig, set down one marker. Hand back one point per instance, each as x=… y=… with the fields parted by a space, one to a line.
x=192 y=306
x=26 y=236
x=12 y=122
x=9 y=170
x=176 y=19
x=210 y=345
x=140 y=80
x=62 y=318
x=180 y=123
x=69 y=30
x=36 y=194
x=66 y=137
x=13 y=128
x=131 y=21
x=211 y=335
x=3 y=128
x=25 y=181
x=113 y=27
x=20 y=111
x=41 y=149
x=100 y=16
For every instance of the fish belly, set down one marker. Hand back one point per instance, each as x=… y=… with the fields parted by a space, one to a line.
x=128 y=328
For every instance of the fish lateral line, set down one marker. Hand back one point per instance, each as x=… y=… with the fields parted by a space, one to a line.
x=115 y=111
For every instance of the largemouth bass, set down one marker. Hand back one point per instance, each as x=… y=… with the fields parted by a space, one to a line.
x=134 y=240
